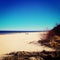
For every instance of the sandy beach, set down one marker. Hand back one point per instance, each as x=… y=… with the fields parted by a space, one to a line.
x=21 y=42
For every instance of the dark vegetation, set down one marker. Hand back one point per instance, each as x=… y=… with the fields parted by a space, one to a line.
x=53 y=38
x=23 y=55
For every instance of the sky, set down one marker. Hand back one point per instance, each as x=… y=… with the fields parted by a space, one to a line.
x=29 y=14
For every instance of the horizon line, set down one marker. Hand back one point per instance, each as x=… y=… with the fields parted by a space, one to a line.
x=7 y=32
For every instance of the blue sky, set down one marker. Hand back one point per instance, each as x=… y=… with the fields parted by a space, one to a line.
x=29 y=14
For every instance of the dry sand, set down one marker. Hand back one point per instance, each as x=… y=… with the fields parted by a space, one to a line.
x=20 y=42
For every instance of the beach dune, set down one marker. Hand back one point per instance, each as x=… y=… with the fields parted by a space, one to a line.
x=20 y=42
